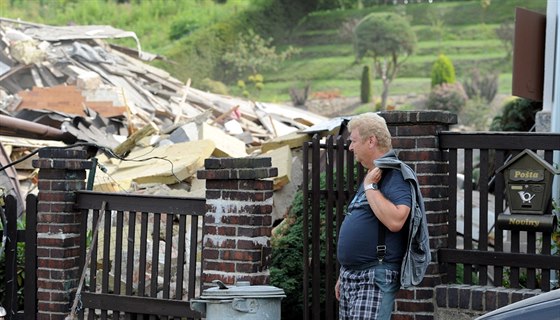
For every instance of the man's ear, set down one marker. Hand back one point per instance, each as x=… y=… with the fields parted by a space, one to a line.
x=372 y=141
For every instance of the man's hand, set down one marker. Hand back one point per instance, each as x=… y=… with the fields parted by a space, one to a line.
x=337 y=290
x=373 y=176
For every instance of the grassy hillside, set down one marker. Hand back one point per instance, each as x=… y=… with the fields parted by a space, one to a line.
x=154 y=21
x=194 y=34
x=461 y=30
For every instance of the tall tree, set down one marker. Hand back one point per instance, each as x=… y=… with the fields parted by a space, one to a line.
x=389 y=39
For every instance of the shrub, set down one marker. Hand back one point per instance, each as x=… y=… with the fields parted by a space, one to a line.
x=518 y=115
x=299 y=96
x=481 y=86
x=182 y=27
x=475 y=114
x=213 y=86
x=447 y=97
x=286 y=269
x=443 y=71
x=365 y=85
x=20 y=269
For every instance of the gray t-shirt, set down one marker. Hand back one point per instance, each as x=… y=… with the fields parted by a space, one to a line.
x=357 y=240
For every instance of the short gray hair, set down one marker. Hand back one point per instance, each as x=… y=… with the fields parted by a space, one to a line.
x=371 y=124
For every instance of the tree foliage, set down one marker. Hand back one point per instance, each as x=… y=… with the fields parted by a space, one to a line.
x=505 y=33
x=443 y=71
x=389 y=39
x=365 y=85
x=252 y=54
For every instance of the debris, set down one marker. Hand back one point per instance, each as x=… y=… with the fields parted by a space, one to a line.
x=82 y=89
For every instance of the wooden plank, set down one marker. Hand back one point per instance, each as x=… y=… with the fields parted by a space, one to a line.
x=36 y=77
x=139 y=305
x=489 y=258
x=143 y=253
x=93 y=260
x=193 y=250
x=498 y=208
x=30 y=285
x=306 y=212
x=167 y=255
x=163 y=165
x=118 y=248
x=468 y=211
x=499 y=140
x=11 y=285
x=47 y=76
x=330 y=249
x=141 y=203
x=226 y=145
x=131 y=239
x=106 y=243
x=131 y=142
x=315 y=230
x=483 y=211
x=452 y=222
x=293 y=140
x=181 y=257
x=281 y=159
x=155 y=254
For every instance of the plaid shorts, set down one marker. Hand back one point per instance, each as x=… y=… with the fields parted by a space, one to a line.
x=367 y=294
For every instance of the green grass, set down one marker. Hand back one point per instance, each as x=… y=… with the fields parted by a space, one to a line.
x=151 y=20
x=460 y=30
x=279 y=91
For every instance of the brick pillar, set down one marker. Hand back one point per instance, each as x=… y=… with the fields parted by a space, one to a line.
x=58 y=229
x=238 y=224
x=415 y=137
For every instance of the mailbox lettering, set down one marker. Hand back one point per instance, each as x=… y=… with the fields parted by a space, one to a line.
x=526 y=175
x=524 y=222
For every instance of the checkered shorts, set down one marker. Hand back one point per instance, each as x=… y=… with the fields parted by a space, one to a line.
x=362 y=293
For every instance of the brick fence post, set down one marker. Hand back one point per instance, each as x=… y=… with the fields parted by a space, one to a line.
x=238 y=223
x=61 y=172
x=415 y=137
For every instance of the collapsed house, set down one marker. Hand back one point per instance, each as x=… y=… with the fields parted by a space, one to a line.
x=150 y=132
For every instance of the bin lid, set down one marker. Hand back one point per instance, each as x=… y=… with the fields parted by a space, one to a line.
x=242 y=290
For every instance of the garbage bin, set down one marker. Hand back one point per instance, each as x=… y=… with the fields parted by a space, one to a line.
x=241 y=301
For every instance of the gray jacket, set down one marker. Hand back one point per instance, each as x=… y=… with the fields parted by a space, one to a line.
x=417 y=256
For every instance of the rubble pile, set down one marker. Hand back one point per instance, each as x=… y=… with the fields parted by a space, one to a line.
x=147 y=131
x=63 y=85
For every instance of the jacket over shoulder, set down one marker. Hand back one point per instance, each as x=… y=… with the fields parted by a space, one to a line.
x=417 y=256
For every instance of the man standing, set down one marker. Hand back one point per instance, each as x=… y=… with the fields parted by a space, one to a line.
x=373 y=236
